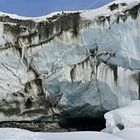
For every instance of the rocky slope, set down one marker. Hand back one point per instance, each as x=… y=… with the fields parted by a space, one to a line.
x=75 y=64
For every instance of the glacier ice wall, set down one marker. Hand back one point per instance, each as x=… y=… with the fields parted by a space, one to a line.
x=73 y=64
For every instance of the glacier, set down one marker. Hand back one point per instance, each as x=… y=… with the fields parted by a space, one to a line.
x=70 y=64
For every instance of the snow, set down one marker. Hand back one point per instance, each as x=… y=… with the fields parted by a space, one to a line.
x=128 y=116
x=37 y=19
x=105 y=11
x=87 y=14
x=130 y=133
x=18 y=134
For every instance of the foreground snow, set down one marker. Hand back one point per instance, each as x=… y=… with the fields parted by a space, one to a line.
x=127 y=117
x=17 y=134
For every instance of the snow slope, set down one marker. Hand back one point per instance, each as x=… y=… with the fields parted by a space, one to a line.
x=105 y=11
x=130 y=133
x=128 y=117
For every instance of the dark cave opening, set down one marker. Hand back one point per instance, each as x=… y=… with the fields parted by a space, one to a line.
x=83 y=124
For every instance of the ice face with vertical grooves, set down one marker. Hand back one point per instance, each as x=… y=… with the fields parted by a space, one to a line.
x=76 y=64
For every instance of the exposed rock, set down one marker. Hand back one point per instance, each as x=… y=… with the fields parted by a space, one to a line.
x=34 y=126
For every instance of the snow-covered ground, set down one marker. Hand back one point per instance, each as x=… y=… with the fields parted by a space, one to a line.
x=127 y=116
x=17 y=134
